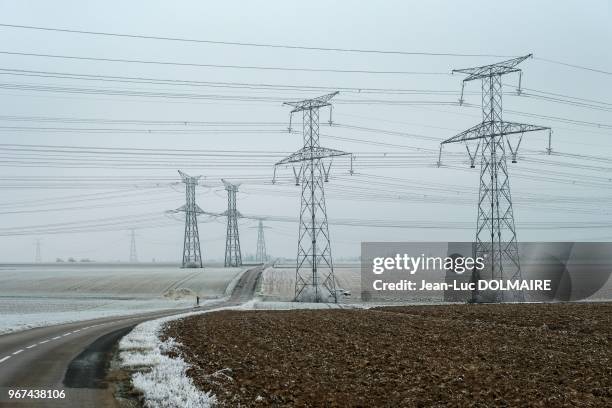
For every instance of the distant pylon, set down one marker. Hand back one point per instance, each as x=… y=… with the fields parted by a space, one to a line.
x=261 y=256
x=233 y=256
x=38 y=258
x=133 y=255
x=192 y=257
x=314 y=245
x=496 y=238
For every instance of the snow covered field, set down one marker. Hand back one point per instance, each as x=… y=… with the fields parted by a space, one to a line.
x=111 y=280
x=278 y=284
x=41 y=295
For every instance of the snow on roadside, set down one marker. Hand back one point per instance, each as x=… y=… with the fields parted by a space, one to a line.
x=232 y=284
x=162 y=379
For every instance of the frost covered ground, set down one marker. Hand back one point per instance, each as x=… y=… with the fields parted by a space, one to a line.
x=110 y=280
x=42 y=295
x=278 y=283
x=162 y=379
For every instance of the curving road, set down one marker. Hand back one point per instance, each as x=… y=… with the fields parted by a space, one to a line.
x=73 y=357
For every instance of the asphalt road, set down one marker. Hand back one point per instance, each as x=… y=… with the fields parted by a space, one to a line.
x=73 y=357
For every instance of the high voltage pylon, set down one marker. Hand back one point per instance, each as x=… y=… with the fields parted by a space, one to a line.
x=38 y=257
x=496 y=239
x=261 y=255
x=314 y=245
x=233 y=256
x=133 y=255
x=192 y=256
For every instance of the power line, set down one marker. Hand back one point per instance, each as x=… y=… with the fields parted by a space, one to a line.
x=77 y=156
x=529 y=114
x=265 y=86
x=173 y=95
x=193 y=64
x=144 y=149
x=106 y=195
x=69 y=119
x=563 y=95
x=600 y=71
x=560 y=119
x=134 y=130
x=85 y=207
x=360 y=192
x=214 y=84
x=423 y=103
x=573 y=101
x=565 y=102
x=298 y=47
x=251 y=44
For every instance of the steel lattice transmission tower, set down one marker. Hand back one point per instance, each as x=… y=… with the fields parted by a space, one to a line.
x=133 y=255
x=261 y=256
x=192 y=257
x=233 y=256
x=314 y=245
x=38 y=258
x=495 y=229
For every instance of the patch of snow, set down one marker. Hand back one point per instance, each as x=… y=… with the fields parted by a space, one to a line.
x=161 y=379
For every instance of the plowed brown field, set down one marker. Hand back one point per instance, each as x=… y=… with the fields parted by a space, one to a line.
x=544 y=355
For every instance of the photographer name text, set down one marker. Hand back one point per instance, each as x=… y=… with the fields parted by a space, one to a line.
x=408 y=285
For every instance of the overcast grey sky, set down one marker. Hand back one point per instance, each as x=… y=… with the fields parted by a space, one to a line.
x=549 y=190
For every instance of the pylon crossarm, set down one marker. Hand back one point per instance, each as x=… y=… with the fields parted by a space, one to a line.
x=189 y=179
x=311 y=153
x=313 y=103
x=178 y=210
x=500 y=68
x=230 y=186
x=483 y=130
x=212 y=214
